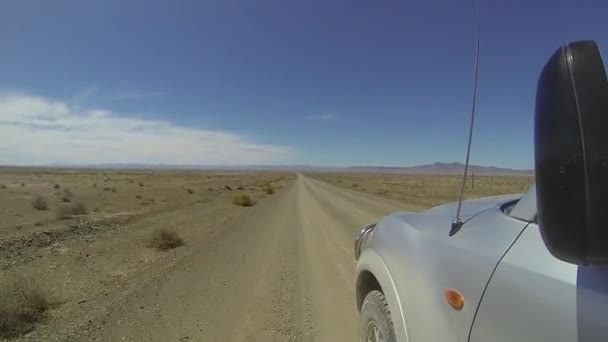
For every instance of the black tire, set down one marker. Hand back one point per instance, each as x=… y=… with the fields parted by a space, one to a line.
x=375 y=319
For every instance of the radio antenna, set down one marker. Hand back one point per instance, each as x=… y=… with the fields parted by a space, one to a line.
x=457 y=223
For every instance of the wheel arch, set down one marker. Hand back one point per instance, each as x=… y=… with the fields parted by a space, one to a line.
x=366 y=283
x=372 y=274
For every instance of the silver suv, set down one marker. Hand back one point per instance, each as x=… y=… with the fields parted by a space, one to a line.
x=518 y=268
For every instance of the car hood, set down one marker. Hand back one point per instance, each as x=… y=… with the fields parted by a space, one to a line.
x=474 y=206
x=440 y=217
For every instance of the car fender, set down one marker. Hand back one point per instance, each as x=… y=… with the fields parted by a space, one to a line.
x=371 y=261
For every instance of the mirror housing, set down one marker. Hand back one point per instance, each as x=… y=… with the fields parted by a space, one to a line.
x=571 y=154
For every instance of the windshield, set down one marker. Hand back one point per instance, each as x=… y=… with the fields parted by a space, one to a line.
x=198 y=170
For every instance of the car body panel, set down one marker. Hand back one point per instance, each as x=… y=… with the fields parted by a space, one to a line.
x=514 y=289
x=423 y=262
x=531 y=297
x=591 y=303
x=472 y=207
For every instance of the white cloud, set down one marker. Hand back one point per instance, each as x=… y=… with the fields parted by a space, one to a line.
x=37 y=130
x=321 y=117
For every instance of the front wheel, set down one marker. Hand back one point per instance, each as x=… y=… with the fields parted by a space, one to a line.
x=375 y=323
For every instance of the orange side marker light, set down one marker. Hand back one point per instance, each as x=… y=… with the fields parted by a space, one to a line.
x=455 y=299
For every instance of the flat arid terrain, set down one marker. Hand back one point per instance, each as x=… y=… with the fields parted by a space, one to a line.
x=181 y=256
x=427 y=190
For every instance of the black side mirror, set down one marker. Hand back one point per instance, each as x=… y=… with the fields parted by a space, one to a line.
x=571 y=154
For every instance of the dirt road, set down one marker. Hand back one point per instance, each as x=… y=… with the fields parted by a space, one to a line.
x=284 y=272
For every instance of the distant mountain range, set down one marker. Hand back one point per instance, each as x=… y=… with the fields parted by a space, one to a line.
x=435 y=168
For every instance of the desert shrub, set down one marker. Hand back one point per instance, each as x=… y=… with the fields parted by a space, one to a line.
x=164 y=239
x=64 y=212
x=94 y=185
x=57 y=186
x=113 y=189
x=268 y=190
x=66 y=197
x=69 y=210
x=148 y=201
x=240 y=187
x=355 y=185
x=22 y=304
x=138 y=196
x=190 y=191
x=142 y=184
x=3 y=186
x=40 y=203
x=209 y=189
x=243 y=201
x=79 y=208
x=22 y=185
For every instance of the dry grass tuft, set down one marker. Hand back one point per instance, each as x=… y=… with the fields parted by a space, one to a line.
x=40 y=203
x=67 y=211
x=67 y=195
x=165 y=239
x=22 y=304
x=243 y=201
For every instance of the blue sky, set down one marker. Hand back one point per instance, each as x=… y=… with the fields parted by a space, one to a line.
x=273 y=82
